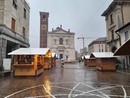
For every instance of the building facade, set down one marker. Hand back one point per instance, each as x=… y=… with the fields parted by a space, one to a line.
x=98 y=45
x=43 y=29
x=124 y=32
x=116 y=15
x=62 y=43
x=14 y=26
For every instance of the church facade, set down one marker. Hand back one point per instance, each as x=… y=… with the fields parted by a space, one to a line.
x=61 y=42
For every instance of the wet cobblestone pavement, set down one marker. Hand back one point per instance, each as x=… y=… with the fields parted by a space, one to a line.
x=72 y=81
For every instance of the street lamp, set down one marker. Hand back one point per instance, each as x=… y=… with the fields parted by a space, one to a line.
x=82 y=39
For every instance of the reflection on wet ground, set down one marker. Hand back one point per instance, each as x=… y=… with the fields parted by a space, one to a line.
x=72 y=81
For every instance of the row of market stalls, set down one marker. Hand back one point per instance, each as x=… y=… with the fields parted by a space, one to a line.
x=103 y=61
x=108 y=60
x=32 y=61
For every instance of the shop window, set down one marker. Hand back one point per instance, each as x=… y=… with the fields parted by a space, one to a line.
x=113 y=49
x=67 y=41
x=25 y=59
x=61 y=41
x=24 y=14
x=102 y=48
x=61 y=56
x=126 y=36
x=99 y=48
x=112 y=34
x=13 y=24
x=23 y=32
x=111 y=19
x=15 y=4
x=54 y=41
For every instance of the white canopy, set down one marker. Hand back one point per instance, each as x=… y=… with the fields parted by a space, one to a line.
x=53 y=54
x=29 y=51
x=102 y=55
x=87 y=56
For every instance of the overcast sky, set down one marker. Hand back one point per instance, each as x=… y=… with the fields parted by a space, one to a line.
x=83 y=17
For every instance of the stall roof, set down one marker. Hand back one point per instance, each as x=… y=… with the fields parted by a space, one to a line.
x=82 y=57
x=124 y=49
x=87 y=56
x=29 y=51
x=53 y=54
x=101 y=55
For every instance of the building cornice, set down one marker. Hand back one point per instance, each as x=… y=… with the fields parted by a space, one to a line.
x=57 y=30
x=113 y=5
x=101 y=40
x=8 y=32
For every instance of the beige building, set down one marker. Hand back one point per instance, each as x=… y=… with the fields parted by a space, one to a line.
x=116 y=15
x=124 y=32
x=61 y=42
x=123 y=51
x=14 y=26
x=98 y=45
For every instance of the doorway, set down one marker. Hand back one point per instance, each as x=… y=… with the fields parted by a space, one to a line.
x=61 y=56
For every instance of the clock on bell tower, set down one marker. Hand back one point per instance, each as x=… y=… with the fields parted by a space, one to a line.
x=43 y=29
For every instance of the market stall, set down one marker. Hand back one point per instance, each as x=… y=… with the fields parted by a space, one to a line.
x=29 y=61
x=86 y=60
x=104 y=60
x=92 y=62
x=53 y=59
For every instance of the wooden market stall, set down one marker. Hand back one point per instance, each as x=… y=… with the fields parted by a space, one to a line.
x=29 y=61
x=92 y=62
x=47 y=62
x=53 y=59
x=86 y=60
x=105 y=61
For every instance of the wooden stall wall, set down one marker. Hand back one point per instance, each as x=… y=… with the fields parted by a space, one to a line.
x=106 y=64
x=92 y=62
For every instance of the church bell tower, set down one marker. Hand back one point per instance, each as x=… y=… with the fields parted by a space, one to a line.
x=43 y=29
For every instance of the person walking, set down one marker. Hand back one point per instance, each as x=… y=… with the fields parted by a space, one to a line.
x=62 y=63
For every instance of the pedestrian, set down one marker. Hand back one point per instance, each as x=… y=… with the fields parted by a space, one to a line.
x=79 y=61
x=62 y=63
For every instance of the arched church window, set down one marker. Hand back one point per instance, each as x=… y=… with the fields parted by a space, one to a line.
x=61 y=41
x=67 y=41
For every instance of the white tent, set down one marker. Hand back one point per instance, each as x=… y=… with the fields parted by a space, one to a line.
x=86 y=56
x=53 y=54
x=29 y=51
x=102 y=55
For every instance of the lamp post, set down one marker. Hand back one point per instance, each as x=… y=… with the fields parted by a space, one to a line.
x=82 y=39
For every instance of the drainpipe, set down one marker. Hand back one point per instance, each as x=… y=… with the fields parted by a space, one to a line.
x=122 y=13
x=122 y=22
x=1 y=31
x=119 y=38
